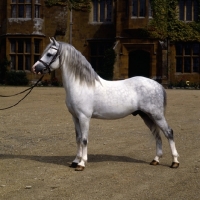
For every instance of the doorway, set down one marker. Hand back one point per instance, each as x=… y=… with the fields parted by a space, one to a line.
x=139 y=63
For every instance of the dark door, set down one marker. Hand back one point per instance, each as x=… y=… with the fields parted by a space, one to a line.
x=139 y=63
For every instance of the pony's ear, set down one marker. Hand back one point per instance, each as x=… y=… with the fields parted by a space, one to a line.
x=50 y=40
x=55 y=42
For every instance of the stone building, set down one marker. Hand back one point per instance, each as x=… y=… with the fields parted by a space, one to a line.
x=26 y=25
x=25 y=28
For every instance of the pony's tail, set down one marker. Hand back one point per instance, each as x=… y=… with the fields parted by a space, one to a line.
x=164 y=99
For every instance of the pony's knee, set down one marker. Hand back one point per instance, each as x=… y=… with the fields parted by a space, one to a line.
x=81 y=141
x=84 y=141
x=170 y=135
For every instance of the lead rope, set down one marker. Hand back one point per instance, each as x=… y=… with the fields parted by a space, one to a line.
x=30 y=89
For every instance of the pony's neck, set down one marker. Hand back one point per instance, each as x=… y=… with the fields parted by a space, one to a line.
x=76 y=68
x=66 y=78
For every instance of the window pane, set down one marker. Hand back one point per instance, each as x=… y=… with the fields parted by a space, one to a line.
x=20 y=46
x=142 y=8
x=99 y=65
x=195 y=64
x=179 y=49
x=28 y=63
x=36 y=58
x=196 y=9
x=13 y=62
x=13 y=1
x=13 y=11
x=179 y=64
x=37 y=11
x=101 y=49
x=13 y=46
x=20 y=1
x=181 y=10
x=94 y=63
x=20 y=62
x=187 y=64
x=196 y=49
x=187 y=49
x=95 y=10
x=21 y=11
x=93 y=49
x=28 y=46
x=37 y=46
x=28 y=1
x=109 y=11
x=135 y=8
x=188 y=10
x=28 y=11
x=102 y=11
x=37 y=1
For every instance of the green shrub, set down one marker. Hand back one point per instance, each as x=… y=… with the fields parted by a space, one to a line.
x=45 y=82
x=184 y=84
x=3 y=70
x=16 y=78
x=55 y=82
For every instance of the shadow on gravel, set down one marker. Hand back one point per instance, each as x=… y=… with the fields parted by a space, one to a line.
x=65 y=160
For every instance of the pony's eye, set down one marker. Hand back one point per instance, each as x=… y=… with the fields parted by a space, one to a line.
x=49 y=55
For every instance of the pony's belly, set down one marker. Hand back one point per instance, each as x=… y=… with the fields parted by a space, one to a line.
x=112 y=113
x=114 y=106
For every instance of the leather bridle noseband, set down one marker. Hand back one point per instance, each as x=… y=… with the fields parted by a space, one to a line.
x=55 y=57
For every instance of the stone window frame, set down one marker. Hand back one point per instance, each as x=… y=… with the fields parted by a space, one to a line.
x=102 y=11
x=187 y=57
x=141 y=9
x=25 y=9
x=24 y=52
x=188 y=10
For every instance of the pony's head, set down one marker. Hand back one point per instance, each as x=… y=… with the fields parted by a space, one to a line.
x=49 y=60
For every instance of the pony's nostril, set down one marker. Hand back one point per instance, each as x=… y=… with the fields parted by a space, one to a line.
x=38 y=69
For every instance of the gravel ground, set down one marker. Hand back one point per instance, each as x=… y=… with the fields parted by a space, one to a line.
x=37 y=144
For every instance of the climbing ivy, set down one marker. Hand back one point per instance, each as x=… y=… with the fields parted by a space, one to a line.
x=166 y=23
x=83 y=5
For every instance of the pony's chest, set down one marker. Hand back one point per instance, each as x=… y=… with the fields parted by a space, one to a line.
x=79 y=100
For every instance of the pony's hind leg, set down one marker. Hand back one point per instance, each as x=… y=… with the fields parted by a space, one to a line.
x=162 y=124
x=156 y=133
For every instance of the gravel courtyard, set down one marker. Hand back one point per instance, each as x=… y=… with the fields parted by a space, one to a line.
x=37 y=144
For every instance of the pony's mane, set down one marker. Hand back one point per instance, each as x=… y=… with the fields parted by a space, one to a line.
x=78 y=66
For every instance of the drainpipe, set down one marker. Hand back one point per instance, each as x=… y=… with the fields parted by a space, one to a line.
x=70 y=25
x=168 y=64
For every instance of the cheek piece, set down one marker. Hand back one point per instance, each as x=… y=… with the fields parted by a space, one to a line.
x=47 y=69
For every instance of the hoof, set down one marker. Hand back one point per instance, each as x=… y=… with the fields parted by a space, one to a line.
x=174 y=165
x=73 y=165
x=79 y=168
x=154 y=162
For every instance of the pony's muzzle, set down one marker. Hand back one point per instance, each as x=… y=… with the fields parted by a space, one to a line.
x=41 y=69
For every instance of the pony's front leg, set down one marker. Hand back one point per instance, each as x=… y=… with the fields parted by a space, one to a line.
x=84 y=127
x=81 y=128
x=78 y=154
x=78 y=141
